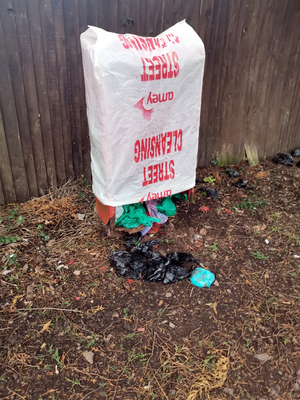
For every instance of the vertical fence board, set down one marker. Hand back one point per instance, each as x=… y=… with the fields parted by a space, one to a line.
x=59 y=36
x=83 y=117
x=91 y=12
x=53 y=88
x=11 y=127
x=30 y=93
x=16 y=76
x=6 y=175
x=41 y=86
x=72 y=44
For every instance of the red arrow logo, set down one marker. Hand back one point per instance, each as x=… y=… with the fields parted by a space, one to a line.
x=146 y=113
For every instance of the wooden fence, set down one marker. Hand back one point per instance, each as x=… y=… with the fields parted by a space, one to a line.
x=250 y=95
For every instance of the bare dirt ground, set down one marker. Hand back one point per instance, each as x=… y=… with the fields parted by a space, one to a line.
x=71 y=329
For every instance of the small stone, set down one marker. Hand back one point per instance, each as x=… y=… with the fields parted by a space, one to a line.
x=229 y=291
x=216 y=283
x=173 y=392
x=76 y=273
x=203 y=232
x=89 y=356
x=165 y=322
x=263 y=357
x=108 y=337
x=228 y=390
x=168 y=294
x=115 y=315
x=171 y=325
x=80 y=217
x=197 y=237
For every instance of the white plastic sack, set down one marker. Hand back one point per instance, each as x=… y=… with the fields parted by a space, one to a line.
x=143 y=105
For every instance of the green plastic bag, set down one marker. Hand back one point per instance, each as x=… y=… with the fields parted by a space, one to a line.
x=182 y=196
x=167 y=207
x=135 y=215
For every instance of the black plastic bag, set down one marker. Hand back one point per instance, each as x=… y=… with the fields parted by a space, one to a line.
x=174 y=273
x=138 y=264
x=213 y=193
x=295 y=153
x=240 y=183
x=155 y=273
x=146 y=247
x=121 y=262
x=178 y=258
x=285 y=159
x=131 y=240
x=232 y=173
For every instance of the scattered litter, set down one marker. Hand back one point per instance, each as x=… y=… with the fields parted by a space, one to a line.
x=296 y=256
x=62 y=266
x=167 y=207
x=77 y=298
x=203 y=208
x=228 y=211
x=135 y=215
x=213 y=193
x=267 y=241
x=171 y=325
x=151 y=206
x=89 y=356
x=6 y=271
x=202 y=277
x=232 y=173
x=152 y=266
x=263 y=357
x=80 y=217
x=71 y=262
x=285 y=159
x=295 y=153
x=141 y=330
x=240 y=183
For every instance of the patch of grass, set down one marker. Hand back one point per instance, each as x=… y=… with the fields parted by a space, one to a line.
x=129 y=335
x=251 y=204
x=74 y=382
x=259 y=256
x=56 y=357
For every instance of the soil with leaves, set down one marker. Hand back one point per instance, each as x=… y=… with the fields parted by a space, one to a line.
x=71 y=329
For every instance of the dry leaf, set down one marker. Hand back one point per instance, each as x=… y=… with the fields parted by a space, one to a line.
x=46 y=327
x=261 y=175
x=43 y=345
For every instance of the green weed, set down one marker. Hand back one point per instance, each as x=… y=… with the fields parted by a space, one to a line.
x=259 y=256
x=251 y=204
x=42 y=234
x=209 y=179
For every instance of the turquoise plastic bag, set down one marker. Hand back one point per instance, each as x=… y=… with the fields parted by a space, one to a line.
x=202 y=277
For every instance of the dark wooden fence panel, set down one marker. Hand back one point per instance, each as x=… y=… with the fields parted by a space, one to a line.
x=250 y=92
